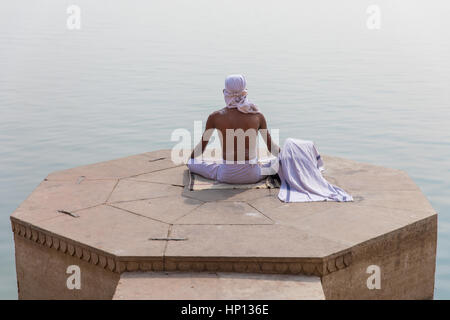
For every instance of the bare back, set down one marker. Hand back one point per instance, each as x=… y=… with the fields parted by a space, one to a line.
x=244 y=128
x=233 y=119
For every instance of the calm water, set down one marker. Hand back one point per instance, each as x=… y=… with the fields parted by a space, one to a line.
x=139 y=69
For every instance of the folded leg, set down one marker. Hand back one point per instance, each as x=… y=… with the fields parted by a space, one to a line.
x=207 y=169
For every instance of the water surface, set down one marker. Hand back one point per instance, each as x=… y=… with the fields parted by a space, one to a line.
x=137 y=70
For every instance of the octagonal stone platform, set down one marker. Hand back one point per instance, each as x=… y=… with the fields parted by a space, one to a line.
x=135 y=215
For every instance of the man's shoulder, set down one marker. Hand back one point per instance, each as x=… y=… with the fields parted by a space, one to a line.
x=223 y=111
x=261 y=116
x=218 y=112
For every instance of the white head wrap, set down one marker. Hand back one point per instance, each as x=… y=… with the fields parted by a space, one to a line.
x=235 y=94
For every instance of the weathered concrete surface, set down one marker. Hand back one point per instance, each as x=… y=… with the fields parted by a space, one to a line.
x=217 y=286
x=41 y=274
x=134 y=214
x=407 y=261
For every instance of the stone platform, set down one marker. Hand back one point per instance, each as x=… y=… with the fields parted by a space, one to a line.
x=216 y=286
x=135 y=215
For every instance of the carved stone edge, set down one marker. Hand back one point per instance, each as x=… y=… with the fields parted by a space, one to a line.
x=307 y=266
x=338 y=261
x=72 y=248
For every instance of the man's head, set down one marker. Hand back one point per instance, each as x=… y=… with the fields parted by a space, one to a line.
x=235 y=83
x=235 y=94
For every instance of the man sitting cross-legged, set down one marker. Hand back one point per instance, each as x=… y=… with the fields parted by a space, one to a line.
x=238 y=125
x=298 y=165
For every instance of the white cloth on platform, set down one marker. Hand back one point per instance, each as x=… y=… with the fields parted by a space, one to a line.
x=301 y=176
x=235 y=94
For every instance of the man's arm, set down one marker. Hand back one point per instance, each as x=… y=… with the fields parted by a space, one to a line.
x=209 y=129
x=271 y=146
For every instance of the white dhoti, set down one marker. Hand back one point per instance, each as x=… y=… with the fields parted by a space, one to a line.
x=239 y=173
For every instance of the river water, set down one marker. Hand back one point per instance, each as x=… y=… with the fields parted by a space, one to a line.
x=136 y=70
